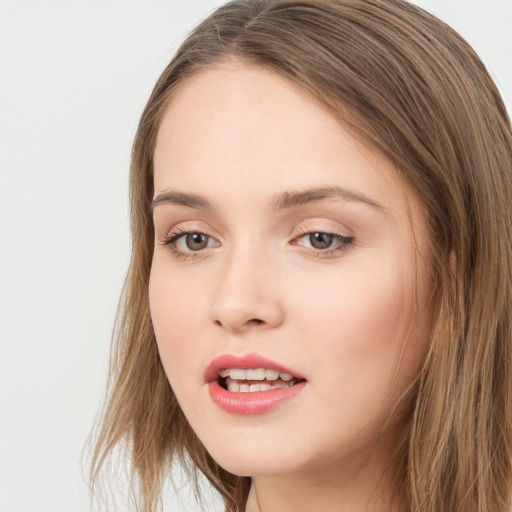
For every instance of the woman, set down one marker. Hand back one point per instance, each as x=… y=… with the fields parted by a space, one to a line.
x=317 y=312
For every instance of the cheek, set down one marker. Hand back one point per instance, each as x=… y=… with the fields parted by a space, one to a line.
x=363 y=324
x=175 y=314
x=362 y=300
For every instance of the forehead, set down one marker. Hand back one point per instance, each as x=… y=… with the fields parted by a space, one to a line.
x=247 y=106
x=234 y=130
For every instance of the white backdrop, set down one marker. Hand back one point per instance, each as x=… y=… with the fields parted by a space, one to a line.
x=74 y=77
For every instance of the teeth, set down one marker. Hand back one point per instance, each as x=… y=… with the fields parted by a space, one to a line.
x=258 y=374
x=254 y=374
x=271 y=374
x=235 y=387
x=236 y=374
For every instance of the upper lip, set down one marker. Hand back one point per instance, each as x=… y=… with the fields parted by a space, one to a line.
x=244 y=362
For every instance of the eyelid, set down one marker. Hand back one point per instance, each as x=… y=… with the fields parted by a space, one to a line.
x=322 y=225
x=186 y=227
x=176 y=233
x=175 y=238
x=344 y=241
x=337 y=236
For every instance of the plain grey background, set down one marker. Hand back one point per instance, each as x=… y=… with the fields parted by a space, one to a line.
x=74 y=77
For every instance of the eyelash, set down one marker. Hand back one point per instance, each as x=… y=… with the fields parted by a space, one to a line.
x=343 y=243
x=172 y=238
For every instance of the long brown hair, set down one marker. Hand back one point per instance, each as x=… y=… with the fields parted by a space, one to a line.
x=411 y=87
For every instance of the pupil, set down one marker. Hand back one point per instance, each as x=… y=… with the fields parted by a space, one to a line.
x=320 y=240
x=196 y=241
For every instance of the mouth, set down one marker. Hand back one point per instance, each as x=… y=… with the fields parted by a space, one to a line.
x=252 y=380
x=251 y=384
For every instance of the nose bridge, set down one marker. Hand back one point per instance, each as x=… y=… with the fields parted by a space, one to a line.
x=246 y=295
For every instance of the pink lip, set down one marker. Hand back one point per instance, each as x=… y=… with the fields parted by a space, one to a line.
x=248 y=403
x=257 y=402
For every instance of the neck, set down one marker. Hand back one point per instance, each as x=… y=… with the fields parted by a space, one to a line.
x=348 y=486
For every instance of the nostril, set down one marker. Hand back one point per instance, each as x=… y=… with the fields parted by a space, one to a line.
x=240 y=326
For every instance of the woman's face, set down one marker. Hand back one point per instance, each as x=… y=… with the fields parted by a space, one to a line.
x=286 y=247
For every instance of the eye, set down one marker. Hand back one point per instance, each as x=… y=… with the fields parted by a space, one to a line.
x=320 y=240
x=194 y=241
x=185 y=243
x=323 y=243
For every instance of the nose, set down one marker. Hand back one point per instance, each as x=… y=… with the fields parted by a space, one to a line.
x=247 y=295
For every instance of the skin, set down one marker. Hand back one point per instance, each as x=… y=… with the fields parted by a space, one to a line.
x=354 y=319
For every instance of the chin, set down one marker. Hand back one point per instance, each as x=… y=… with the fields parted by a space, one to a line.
x=241 y=464
x=259 y=456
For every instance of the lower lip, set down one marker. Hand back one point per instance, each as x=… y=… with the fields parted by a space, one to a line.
x=256 y=402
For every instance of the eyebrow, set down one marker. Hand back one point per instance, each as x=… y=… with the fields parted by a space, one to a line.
x=281 y=202
x=293 y=199
x=181 y=199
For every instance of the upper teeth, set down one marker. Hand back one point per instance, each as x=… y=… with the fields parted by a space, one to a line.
x=254 y=374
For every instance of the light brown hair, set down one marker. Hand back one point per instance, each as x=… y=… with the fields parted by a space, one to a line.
x=411 y=87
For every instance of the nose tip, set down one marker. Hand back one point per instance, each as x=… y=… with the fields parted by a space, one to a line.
x=246 y=298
